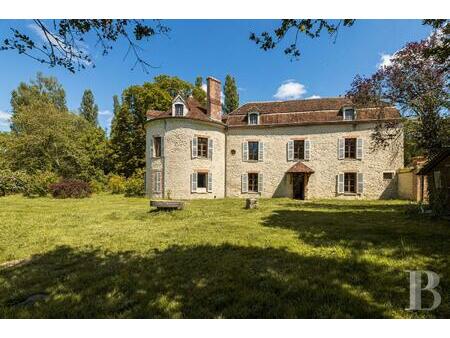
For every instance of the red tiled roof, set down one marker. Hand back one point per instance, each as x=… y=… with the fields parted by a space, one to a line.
x=300 y=167
x=195 y=111
x=295 y=112
x=306 y=112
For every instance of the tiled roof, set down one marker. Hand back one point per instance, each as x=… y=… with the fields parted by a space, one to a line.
x=195 y=111
x=300 y=167
x=435 y=160
x=306 y=112
x=295 y=112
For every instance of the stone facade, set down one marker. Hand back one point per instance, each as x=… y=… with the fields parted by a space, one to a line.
x=227 y=164
x=323 y=160
x=176 y=163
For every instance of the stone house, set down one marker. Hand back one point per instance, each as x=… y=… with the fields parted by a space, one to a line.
x=318 y=148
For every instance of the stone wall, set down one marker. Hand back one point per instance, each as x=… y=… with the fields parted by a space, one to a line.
x=324 y=161
x=177 y=163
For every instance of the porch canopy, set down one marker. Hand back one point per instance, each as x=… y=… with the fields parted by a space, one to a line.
x=300 y=167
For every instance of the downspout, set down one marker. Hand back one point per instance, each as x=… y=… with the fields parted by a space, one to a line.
x=225 y=193
x=164 y=161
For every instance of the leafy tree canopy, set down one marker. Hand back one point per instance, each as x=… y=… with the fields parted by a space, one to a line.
x=88 y=108
x=231 y=95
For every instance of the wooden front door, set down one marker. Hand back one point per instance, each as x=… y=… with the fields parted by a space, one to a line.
x=298 y=184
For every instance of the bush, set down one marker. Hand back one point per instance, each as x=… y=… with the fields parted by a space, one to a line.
x=70 y=189
x=38 y=184
x=116 y=184
x=97 y=186
x=135 y=186
x=12 y=182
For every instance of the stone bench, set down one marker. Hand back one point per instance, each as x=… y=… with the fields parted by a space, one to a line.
x=167 y=205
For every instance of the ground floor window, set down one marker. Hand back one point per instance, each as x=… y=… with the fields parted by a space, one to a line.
x=388 y=175
x=202 y=180
x=253 y=182
x=350 y=183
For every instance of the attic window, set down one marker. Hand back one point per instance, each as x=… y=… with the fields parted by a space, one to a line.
x=253 y=118
x=179 y=109
x=349 y=114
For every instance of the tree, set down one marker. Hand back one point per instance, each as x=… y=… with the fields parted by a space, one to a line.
x=121 y=140
x=88 y=108
x=45 y=136
x=43 y=88
x=313 y=29
x=231 y=95
x=307 y=27
x=65 y=40
x=198 y=92
x=417 y=83
x=128 y=129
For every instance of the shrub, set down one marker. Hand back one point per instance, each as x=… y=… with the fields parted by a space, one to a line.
x=97 y=186
x=70 y=189
x=38 y=184
x=116 y=184
x=12 y=182
x=135 y=186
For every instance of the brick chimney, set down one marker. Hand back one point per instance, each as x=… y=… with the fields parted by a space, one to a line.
x=213 y=105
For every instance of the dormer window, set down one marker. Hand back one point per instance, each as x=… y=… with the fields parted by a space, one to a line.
x=253 y=118
x=179 y=109
x=349 y=113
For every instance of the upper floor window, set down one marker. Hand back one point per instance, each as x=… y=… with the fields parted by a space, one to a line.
x=350 y=148
x=349 y=114
x=253 y=118
x=253 y=150
x=299 y=149
x=202 y=147
x=157 y=146
x=179 y=109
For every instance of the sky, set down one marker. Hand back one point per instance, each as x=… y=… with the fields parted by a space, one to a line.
x=216 y=48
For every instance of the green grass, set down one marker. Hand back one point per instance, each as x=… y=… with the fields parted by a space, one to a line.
x=108 y=256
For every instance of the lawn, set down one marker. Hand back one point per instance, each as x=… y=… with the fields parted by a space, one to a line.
x=112 y=257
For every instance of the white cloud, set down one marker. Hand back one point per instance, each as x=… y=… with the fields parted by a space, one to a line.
x=312 y=97
x=105 y=112
x=5 y=120
x=385 y=60
x=290 y=90
x=204 y=87
x=4 y=117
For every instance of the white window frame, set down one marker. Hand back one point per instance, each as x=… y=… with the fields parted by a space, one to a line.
x=249 y=120
x=246 y=151
x=344 y=111
x=178 y=100
x=389 y=172
x=157 y=182
x=194 y=182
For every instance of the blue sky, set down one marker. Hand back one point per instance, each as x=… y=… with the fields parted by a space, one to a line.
x=217 y=48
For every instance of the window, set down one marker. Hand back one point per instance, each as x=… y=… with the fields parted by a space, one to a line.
x=253 y=149
x=157 y=182
x=349 y=114
x=253 y=118
x=179 y=109
x=350 y=148
x=253 y=182
x=350 y=183
x=202 y=180
x=157 y=146
x=299 y=149
x=388 y=175
x=202 y=147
